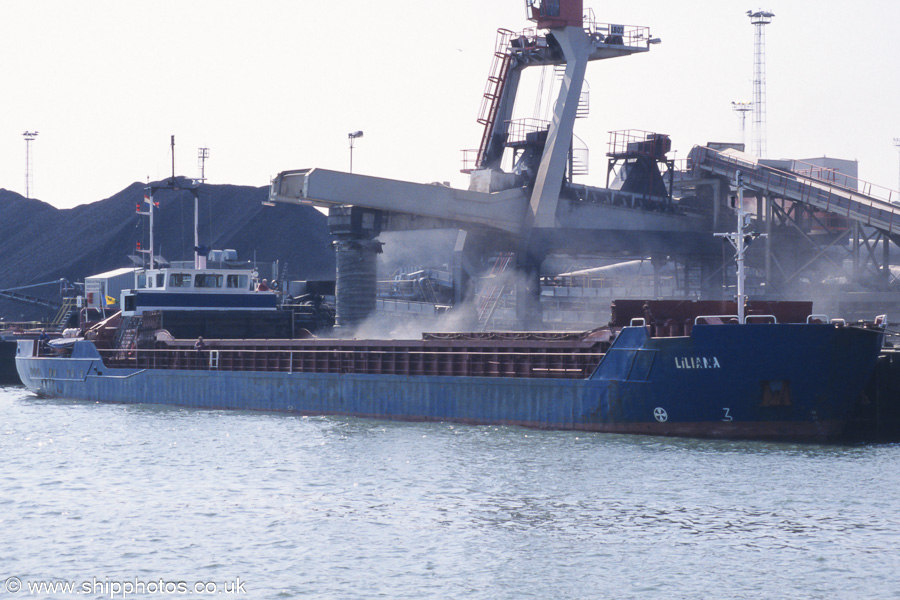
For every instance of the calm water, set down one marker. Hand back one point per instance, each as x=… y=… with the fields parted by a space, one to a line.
x=348 y=508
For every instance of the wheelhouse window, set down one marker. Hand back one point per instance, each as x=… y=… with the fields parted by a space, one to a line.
x=207 y=280
x=160 y=280
x=236 y=281
x=180 y=280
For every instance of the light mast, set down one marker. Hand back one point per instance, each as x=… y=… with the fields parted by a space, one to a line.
x=759 y=20
x=740 y=239
x=29 y=137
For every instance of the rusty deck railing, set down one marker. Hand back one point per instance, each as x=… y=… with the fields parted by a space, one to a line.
x=564 y=362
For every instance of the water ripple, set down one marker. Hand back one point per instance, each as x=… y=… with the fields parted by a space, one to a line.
x=349 y=508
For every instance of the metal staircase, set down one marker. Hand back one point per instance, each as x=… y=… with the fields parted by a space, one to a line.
x=493 y=90
x=61 y=320
x=489 y=299
x=126 y=336
x=426 y=288
x=584 y=99
x=580 y=158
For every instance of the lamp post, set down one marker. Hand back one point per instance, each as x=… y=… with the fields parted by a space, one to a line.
x=353 y=136
x=742 y=108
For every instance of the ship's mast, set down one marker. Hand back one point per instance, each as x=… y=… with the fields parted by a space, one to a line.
x=148 y=199
x=196 y=213
x=740 y=248
x=174 y=185
x=740 y=239
x=150 y=211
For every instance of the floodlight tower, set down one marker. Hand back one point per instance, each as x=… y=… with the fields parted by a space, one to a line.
x=742 y=108
x=202 y=155
x=29 y=137
x=759 y=20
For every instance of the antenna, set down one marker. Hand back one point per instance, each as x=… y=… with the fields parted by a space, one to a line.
x=202 y=155
x=742 y=108
x=29 y=137
x=759 y=20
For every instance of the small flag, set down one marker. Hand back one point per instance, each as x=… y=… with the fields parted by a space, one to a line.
x=110 y=300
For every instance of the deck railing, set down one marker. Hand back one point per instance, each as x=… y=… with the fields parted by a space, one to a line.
x=544 y=363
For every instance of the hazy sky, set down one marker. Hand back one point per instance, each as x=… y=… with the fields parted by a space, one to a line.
x=274 y=85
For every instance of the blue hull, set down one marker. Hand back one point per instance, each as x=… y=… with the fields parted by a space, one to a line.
x=766 y=381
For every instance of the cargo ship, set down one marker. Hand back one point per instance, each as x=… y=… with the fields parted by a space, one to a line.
x=762 y=379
